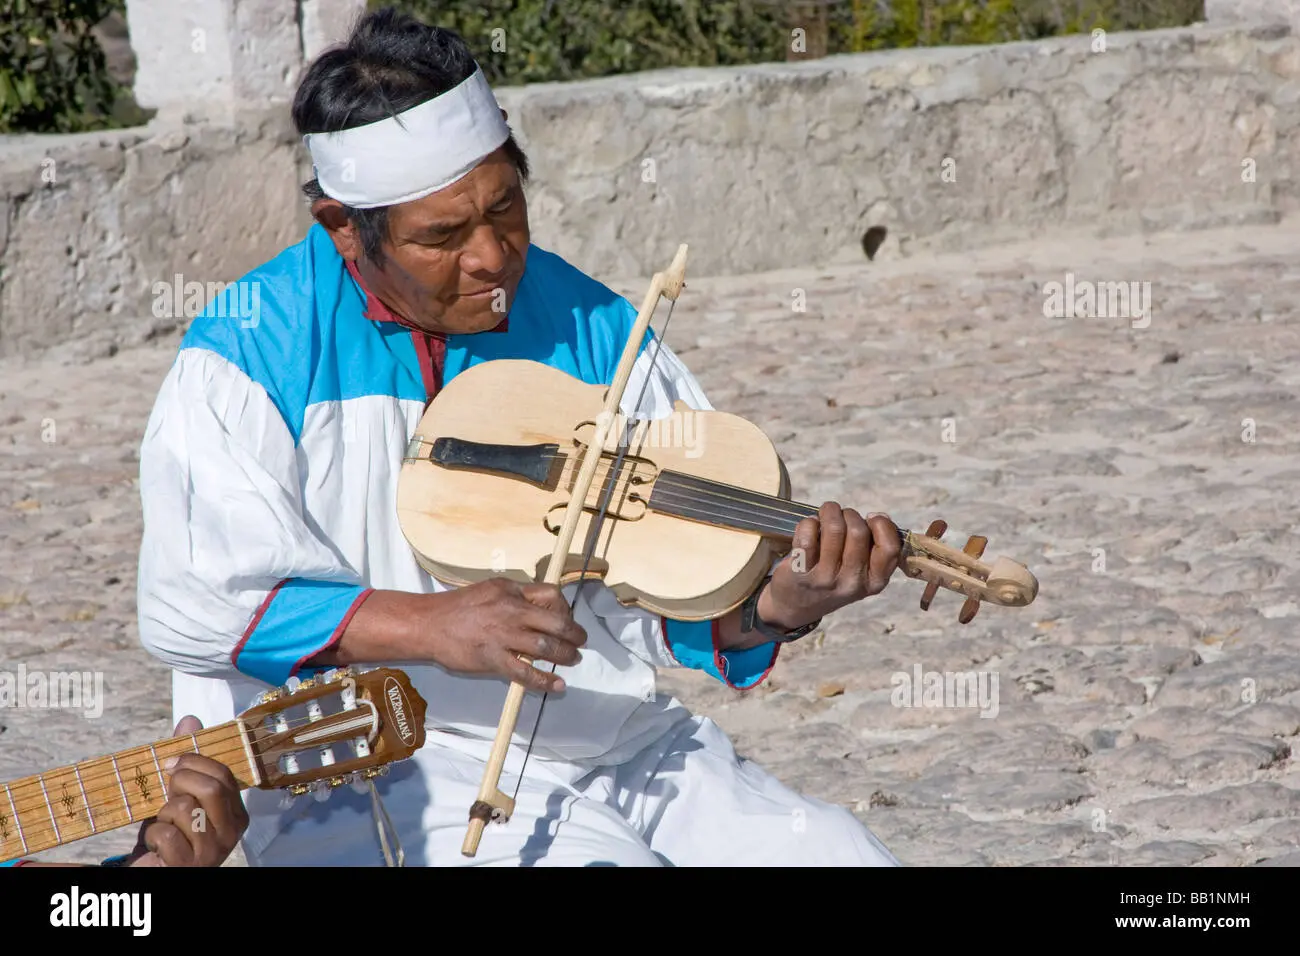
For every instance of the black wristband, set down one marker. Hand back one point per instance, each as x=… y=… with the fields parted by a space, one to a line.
x=751 y=621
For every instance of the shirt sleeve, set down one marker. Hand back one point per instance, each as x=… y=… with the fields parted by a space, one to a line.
x=665 y=642
x=232 y=579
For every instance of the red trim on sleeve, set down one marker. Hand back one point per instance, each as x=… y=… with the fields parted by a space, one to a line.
x=252 y=625
x=721 y=662
x=18 y=863
x=338 y=631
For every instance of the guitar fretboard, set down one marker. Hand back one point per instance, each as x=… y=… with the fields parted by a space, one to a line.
x=106 y=793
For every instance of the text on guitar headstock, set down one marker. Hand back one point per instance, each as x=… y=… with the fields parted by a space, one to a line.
x=374 y=717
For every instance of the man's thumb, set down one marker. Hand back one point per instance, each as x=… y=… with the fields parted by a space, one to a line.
x=188 y=725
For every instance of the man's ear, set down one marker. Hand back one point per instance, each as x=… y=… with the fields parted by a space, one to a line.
x=505 y=115
x=329 y=213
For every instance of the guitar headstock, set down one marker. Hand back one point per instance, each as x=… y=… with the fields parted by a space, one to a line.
x=342 y=727
x=1005 y=582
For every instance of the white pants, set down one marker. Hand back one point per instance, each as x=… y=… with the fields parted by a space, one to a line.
x=687 y=800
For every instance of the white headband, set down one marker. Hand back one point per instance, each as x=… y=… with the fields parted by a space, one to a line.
x=416 y=153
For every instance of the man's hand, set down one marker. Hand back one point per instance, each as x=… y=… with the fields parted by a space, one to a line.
x=494 y=621
x=477 y=629
x=836 y=559
x=204 y=817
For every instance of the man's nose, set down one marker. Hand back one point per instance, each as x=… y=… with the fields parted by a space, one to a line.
x=485 y=251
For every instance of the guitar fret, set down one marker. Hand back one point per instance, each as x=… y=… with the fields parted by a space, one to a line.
x=158 y=767
x=127 y=803
x=17 y=822
x=248 y=752
x=196 y=744
x=58 y=836
x=84 y=799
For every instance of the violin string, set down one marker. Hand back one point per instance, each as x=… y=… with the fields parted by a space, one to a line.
x=594 y=532
x=755 y=500
x=764 y=505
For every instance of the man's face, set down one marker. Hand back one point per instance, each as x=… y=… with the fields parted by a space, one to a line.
x=453 y=260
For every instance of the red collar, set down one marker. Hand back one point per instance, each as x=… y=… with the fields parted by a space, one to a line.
x=376 y=311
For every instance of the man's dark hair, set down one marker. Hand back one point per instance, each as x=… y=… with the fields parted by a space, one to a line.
x=391 y=63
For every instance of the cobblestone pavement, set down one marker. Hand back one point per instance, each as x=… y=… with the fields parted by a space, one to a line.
x=1141 y=712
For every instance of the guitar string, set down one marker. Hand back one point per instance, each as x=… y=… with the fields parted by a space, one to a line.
x=594 y=532
x=89 y=781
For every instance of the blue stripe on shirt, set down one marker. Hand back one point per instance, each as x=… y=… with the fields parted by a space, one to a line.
x=301 y=619
x=694 y=644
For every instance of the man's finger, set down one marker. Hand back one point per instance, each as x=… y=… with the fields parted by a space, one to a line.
x=547 y=647
x=831 y=519
x=189 y=724
x=886 y=548
x=197 y=785
x=805 y=546
x=546 y=595
x=171 y=845
x=854 y=569
x=557 y=625
x=529 y=676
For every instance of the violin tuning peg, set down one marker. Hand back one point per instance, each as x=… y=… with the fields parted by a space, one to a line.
x=968 y=611
x=975 y=545
x=931 y=589
x=936 y=529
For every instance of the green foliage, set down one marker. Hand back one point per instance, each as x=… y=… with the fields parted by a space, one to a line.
x=53 y=75
x=529 y=41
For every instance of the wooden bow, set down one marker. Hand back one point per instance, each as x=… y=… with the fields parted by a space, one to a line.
x=492 y=804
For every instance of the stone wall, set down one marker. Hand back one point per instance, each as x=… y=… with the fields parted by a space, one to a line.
x=756 y=168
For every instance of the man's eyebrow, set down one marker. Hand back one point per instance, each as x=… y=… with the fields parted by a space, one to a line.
x=443 y=226
x=438 y=228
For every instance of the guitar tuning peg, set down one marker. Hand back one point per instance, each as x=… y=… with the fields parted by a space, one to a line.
x=359 y=783
x=321 y=791
x=287 y=800
x=291 y=686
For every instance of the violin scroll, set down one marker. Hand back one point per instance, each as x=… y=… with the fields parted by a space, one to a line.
x=1005 y=582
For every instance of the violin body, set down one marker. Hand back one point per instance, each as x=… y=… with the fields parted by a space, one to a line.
x=490 y=498
x=696 y=505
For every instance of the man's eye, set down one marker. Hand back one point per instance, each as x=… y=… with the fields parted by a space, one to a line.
x=503 y=206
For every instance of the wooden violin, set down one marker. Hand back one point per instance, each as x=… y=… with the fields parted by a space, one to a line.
x=695 y=513
x=521 y=471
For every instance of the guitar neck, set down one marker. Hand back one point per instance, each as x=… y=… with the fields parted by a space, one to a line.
x=107 y=793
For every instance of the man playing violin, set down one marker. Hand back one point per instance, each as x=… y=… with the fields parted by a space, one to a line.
x=272 y=547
